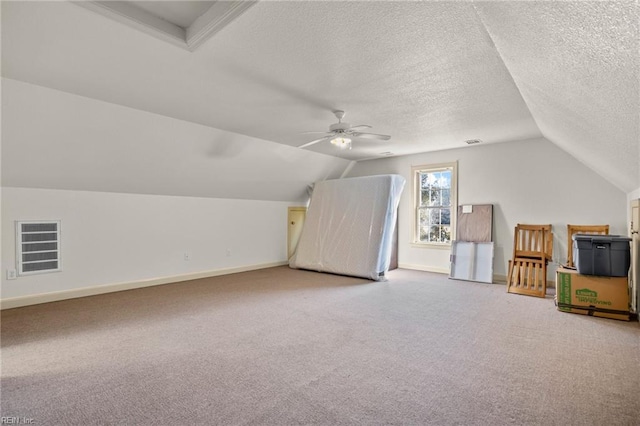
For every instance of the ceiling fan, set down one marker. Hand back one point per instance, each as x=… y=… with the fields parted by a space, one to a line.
x=340 y=134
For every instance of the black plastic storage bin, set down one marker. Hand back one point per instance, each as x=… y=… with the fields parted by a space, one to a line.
x=604 y=255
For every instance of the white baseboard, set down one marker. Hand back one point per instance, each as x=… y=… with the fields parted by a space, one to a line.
x=497 y=279
x=423 y=268
x=16 y=302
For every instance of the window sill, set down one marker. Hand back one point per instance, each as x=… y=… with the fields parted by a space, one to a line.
x=437 y=246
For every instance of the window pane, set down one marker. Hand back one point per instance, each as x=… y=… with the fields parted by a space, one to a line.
x=446 y=216
x=424 y=234
x=445 y=179
x=423 y=180
x=446 y=197
x=434 y=200
x=423 y=217
x=425 y=195
x=445 y=234
x=434 y=216
x=434 y=233
x=439 y=179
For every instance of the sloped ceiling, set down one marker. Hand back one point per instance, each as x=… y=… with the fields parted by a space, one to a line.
x=431 y=74
x=55 y=140
x=577 y=67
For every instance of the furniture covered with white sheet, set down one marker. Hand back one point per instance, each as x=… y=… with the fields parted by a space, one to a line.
x=349 y=226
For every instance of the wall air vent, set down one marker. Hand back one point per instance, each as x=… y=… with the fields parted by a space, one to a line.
x=472 y=141
x=38 y=246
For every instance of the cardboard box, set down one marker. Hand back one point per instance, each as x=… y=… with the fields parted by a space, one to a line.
x=606 y=297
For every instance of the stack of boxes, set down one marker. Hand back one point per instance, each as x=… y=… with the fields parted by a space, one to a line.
x=599 y=286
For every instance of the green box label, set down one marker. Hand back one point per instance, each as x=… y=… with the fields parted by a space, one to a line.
x=564 y=291
x=586 y=293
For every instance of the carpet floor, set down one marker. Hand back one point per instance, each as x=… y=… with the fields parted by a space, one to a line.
x=281 y=346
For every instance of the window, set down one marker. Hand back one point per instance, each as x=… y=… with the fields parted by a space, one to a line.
x=38 y=247
x=435 y=192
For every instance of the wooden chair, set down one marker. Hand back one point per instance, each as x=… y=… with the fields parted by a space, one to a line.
x=532 y=251
x=582 y=229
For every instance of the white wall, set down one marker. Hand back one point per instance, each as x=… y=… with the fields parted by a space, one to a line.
x=527 y=182
x=111 y=238
x=87 y=162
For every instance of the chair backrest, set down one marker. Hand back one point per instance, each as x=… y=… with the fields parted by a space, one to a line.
x=582 y=229
x=533 y=241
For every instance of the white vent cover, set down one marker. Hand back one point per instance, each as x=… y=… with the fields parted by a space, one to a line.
x=38 y=246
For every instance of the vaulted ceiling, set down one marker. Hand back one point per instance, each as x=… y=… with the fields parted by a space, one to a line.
x=430 y=74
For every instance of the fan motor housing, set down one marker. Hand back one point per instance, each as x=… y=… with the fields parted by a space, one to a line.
x=339 y=127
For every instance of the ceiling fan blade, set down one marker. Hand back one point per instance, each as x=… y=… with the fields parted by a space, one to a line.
x=315 y=141
x=359 y=126
x=317 y=133
x=370 y=136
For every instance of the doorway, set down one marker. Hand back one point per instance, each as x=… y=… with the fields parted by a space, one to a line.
x=295 y=221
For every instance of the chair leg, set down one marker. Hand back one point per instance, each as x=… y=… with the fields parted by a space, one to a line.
x=544 y=279
x=510 y=275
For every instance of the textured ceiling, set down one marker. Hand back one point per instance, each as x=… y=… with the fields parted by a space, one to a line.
x=577 y=67
x=427 y=73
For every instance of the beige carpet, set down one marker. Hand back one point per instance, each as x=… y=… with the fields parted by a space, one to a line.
x=281 y=346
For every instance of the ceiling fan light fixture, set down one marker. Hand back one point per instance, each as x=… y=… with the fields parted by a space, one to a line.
x=340 y=133
x=341 y=142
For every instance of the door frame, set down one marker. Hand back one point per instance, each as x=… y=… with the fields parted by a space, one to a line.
x=634 y=228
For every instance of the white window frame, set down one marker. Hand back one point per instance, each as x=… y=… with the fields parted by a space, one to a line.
x=19 y=252
x=429 y=168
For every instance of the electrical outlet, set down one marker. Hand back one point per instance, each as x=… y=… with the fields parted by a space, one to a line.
x=11 y=274
x=228 y=252
x=187 y=256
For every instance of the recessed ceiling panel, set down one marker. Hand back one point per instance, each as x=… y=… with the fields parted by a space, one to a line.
x=180 y=13
x=185 y=24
